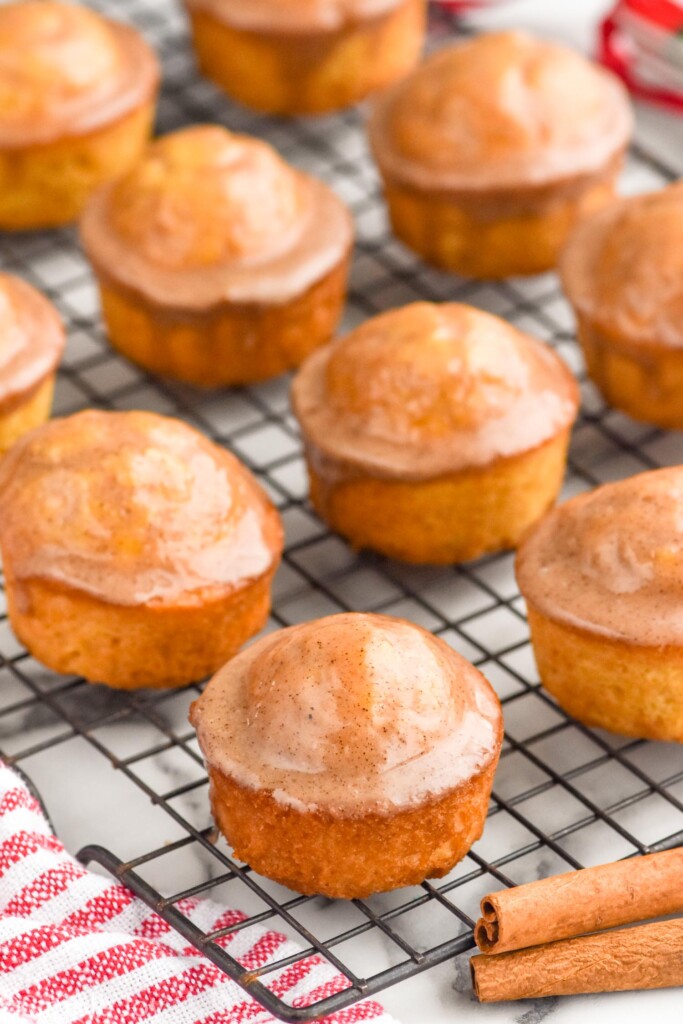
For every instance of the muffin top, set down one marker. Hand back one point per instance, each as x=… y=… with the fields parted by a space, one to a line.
x=133 y=508
x=500 y=111
x=431 y=389
x=209 y=216
x=348 y=714
x=250 y=201
x=66 y=71
x=623 y=268
x=293 y=16
x=611 y=561
x=31 y=340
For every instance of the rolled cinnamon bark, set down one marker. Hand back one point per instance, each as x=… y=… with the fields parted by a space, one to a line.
x=645 y=957
x=579 y=902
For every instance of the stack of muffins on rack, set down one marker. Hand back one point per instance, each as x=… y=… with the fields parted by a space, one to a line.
x=137 y=553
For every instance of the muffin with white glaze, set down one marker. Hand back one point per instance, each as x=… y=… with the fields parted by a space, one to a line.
x=31 y=345
x=622 y=271
x=218 y=263
x=350 y=755
x=434 y=433
x=602 y=576
x=136 y=552
x=77 y=99
x=495 y=147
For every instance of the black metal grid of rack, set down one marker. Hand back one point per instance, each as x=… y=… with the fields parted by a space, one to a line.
x=565 y=795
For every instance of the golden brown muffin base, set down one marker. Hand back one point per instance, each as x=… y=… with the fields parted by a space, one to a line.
x=645 y=381
x=451 y=519
x=29 y=412
x=48 y=185
x=469 y=239
x=129 y=648
x=229 y=344
x=626 y=688
x=282 y=73
x=319 y=853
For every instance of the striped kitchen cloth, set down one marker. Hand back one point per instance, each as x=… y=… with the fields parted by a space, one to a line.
x=642 y=41
x=75 y=947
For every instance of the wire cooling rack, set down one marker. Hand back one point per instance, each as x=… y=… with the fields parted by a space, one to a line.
x=565 y=795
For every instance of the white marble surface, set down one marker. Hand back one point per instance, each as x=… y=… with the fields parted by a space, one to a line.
x=91 y=802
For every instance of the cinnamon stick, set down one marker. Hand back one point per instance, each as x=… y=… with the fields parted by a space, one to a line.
x=645 y=957
x=579 y=902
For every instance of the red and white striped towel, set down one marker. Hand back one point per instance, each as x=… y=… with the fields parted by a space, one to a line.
x=75 y=947
x=642 y=41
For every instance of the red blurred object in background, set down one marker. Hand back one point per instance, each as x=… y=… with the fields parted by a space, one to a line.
x=642 y=41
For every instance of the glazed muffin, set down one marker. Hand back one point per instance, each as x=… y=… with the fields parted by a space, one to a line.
x=622 y=271
x=350 y=755
x=31 y=345
x=136 y=552
x=434 y=433
x=77 y=97
x=494 y=148
x=218 y=263
x=602 y=576
x=306 y=56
